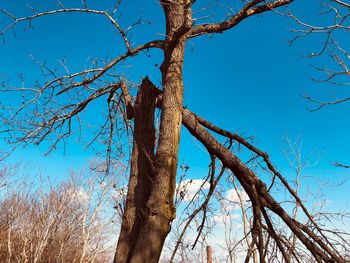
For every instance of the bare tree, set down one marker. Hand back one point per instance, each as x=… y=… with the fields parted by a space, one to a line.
x=52 y=110
x=65 y=223
x=6 y=173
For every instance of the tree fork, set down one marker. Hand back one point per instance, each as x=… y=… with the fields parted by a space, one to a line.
x=255 y=188
x=160 y=210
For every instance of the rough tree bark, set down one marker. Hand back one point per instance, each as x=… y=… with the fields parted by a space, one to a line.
x=146 y=242
x=141 y=171
x=160 y=205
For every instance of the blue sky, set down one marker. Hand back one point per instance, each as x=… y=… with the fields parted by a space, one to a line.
x=247 y=80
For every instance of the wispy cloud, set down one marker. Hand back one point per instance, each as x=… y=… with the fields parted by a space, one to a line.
x=188 y=188
x=233 y=198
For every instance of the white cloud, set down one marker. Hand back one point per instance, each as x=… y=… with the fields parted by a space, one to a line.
x=225 y=218
x=188 y=188
x=77 y=194
x=233 y=198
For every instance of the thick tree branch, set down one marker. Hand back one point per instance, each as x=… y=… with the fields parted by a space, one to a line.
x=250 y=9
x=320 y=248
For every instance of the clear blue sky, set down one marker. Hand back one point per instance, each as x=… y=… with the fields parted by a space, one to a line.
x=246 y=80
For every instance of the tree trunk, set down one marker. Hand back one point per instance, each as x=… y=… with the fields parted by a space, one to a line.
x=146 y=238
x=141 y=170
x=209 y=255
x=160 y=206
